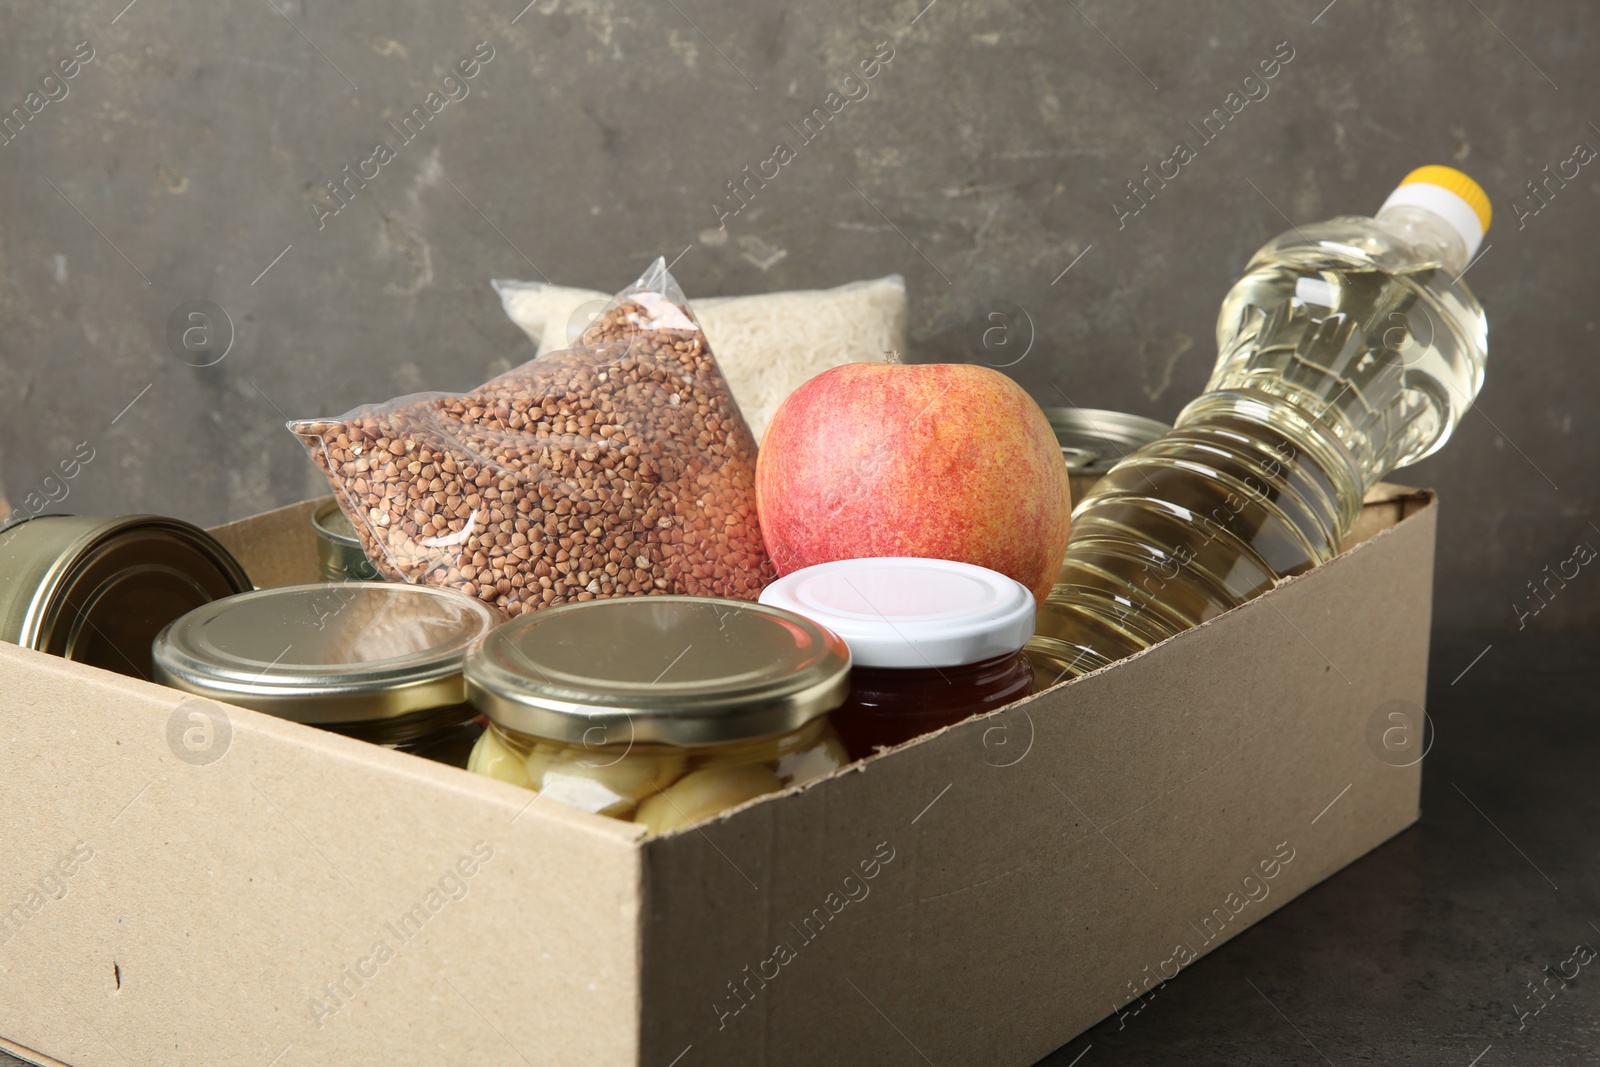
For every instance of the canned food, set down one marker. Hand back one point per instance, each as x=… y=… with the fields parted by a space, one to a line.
x=660 y=710
x=97 y=590
x=339 y=554
x=378 y=661
x=1093 y=441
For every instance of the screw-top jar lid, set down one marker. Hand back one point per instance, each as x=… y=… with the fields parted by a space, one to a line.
x=672 y=670
x=327 y=653
x=910 y=613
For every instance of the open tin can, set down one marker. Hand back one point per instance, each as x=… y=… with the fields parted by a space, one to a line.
x=97 y=590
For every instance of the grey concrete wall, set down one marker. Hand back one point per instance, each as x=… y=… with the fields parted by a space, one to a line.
x=185 y=157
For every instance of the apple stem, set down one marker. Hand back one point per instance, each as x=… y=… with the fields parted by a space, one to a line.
x=890 y=355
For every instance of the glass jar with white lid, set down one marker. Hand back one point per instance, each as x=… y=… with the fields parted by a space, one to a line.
x=932 y=641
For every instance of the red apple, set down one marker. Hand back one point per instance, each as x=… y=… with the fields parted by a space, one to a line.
x=942 y=460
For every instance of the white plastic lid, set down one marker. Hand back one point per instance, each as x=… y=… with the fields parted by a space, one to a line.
x=1452 y=196
x=913 y=613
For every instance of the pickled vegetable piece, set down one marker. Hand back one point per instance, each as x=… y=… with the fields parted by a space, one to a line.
x=493 y=758
x=813 y=761
x=701 y=794
x=600 y=780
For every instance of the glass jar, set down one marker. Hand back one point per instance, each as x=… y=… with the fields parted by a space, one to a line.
x=664 y=711
x=444 y=735
x=933 y=641
x=377 y=661
x=889 y=705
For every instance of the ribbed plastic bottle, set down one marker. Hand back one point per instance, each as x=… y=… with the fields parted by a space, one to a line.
x=1349 y=348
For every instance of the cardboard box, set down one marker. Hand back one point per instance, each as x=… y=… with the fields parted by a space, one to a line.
x=978 y=896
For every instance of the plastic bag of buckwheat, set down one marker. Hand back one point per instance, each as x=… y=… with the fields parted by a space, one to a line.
x=618 y=467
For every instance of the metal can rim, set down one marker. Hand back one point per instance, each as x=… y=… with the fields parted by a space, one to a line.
x=29 y=608
x=1120 y=432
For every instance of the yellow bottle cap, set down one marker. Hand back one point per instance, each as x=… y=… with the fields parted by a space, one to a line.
x=1458 y=183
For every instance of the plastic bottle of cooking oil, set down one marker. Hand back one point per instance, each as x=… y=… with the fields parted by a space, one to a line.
x=1349 y=348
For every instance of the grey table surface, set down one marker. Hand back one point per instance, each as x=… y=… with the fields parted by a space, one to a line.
x=1423 y=951
x=994 y=165
x=1427 y=950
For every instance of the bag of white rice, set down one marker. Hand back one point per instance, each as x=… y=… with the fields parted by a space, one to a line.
x=768 y=345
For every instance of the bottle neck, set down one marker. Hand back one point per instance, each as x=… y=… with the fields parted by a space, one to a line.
x=1427 y=232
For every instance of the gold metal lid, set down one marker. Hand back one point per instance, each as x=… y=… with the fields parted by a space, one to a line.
x=1093 y=441
x=672 y=670
x=329 y=652
x=97 y=589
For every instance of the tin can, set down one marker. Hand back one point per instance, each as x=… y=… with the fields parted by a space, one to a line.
x=1092 y=441
x=339 y=554
x=659 y=710
x=377 y=661
x=97 y=590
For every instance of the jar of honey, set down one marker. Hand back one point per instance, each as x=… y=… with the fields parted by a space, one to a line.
x=660 y=710
x=932 y=641
x=377 y=661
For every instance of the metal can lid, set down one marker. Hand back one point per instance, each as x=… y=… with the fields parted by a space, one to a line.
x=328 y=652
x=911 y=613
x=671 y=670
x=1093 y=441
x=339 y=552
x=97 y=589
x=333 y=524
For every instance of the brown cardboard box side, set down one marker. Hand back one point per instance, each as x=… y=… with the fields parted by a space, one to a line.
x=277 y=547
x=230 y=911
x=1028 y=868
x=1051 y=858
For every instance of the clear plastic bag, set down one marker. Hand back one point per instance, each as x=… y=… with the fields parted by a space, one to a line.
x=618 y=467
x=768 y=344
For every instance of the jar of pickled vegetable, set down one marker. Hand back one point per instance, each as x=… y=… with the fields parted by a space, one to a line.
x=933 y=641
x=660 y=710
x=377 y=661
